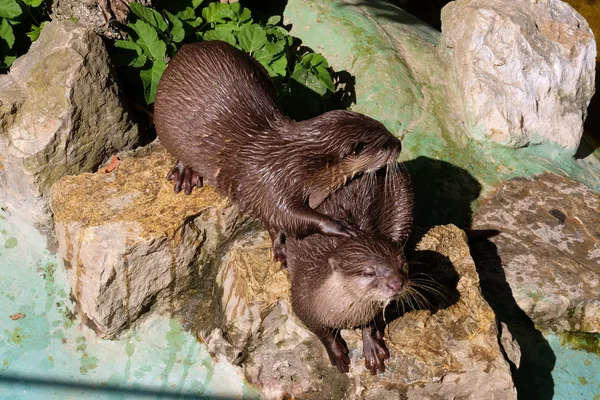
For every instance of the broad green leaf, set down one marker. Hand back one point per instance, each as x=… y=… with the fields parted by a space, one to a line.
x=177 y=32
x=279 y=66
x=313 y=59
x=195 y=22
x=196 y=3
x=235 y=7
x=6 y=33
x=273 y=20
x=252 y=37
x=218 y=12
x=32 y=3
x=245 y=17
x=134 y=58
x=269 y=52
x=324 y=76
x=150 y=78
x=128 y=45
x=8 y=60
x=10 y=9
x=187 y=14
x=304 y=77
x=149 y=15
x=220 y=33
x=35 y=31
x=148 y=40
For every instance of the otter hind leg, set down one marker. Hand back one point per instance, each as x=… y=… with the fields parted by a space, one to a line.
x=184 y=177
x=374 y=349
x=336 y=347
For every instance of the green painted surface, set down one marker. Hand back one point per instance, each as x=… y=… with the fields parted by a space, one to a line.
x=403 y=81
x=45 y=353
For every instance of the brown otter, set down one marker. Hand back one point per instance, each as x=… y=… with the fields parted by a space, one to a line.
x=216 y=111
x=340 y=283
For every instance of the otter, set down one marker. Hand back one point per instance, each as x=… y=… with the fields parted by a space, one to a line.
x=343 y=283
x=217 y=112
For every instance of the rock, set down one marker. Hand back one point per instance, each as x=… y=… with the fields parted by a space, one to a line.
x=129 y=243
x=96 y=15
x=454 y=351
x=60 y=114
x=548 y=249
x=524 y=69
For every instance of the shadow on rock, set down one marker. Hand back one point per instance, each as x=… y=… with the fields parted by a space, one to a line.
x=533 y=378
x=443 y=192
x=405 y=12
x=590 y=140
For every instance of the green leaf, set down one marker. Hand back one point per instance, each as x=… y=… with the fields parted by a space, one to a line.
x=324 y=76
x=32 y=3
x=35 y=31
x=148 y=40
x=149 y=15
x=187 y=14
x=177 y=32
x=196 y=3
x=220 y=33
x=218 y=12
x=273 y=20
x=304 y=77
x=279 y=66
x=269 y=52
x=313 y=60
x=136 y=60
x=150 y=78
x=10 y=9
x=252 y=37
x=6 y=33
x=8 y=60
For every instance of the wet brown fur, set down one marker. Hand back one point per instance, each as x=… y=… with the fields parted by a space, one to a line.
x=336 y=294
x=216 y=111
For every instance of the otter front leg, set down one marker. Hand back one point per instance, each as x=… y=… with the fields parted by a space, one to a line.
x=279 y=249
x=336 y=347
x=309 y=221
x=184 y=177
x=374 y=349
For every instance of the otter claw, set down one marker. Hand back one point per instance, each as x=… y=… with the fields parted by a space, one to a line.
x=184 y=177
x=337 y=350
x=341 y=229
x=375 y=351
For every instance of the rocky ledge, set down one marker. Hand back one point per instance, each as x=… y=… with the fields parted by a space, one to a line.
x=131 y=246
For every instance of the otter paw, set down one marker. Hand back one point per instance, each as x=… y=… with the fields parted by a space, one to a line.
x=338 y=353
x=184 y=177
x=340 y=228
x=375 y=352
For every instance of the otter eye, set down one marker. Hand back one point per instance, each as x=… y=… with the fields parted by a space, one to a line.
x=369 y=273
x=358 y=148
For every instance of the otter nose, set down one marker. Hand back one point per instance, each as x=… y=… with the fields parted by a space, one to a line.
x=395 y=284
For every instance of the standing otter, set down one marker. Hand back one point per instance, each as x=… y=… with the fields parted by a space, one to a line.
x=216 y=111
x=343 y=283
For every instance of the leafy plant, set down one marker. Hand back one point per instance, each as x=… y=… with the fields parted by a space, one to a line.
x=157 y=34
x=19 y=26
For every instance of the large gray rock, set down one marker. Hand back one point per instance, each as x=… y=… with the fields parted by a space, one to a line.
x=60 y=114
x=449 y=353
x=548 y=250
x=524 y=69
x=129 y=243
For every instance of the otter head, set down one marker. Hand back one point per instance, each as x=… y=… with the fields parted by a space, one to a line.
x=345 y=144
x=372 y=271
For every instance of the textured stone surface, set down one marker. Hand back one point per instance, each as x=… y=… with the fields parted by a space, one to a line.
x=452 y=352
x=95 y=14
x=524 y=69
x=130 y=243
x=60 y=114
x=548 y=248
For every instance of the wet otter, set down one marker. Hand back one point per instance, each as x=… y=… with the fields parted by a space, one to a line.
x=340 y=283
x=216 y=111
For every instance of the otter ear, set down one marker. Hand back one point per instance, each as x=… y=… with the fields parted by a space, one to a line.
x=334 y=262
